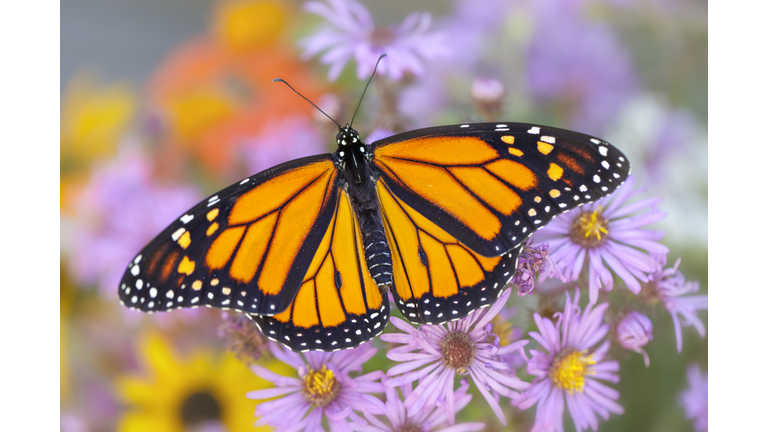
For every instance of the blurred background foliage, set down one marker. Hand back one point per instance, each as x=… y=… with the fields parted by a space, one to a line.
x=166 y=101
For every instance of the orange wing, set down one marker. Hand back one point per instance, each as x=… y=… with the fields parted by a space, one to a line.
x=246 y=248
x=436 y=277
x=492 y=185
x=338 y=305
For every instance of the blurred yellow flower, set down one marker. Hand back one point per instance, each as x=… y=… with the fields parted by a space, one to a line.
x=244 y=25
x=199 y=109
x=93 y=119
x=178 y=394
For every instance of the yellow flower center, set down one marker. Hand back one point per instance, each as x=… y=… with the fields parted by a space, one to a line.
x=590 y=229
x=503 y=329
x=320 y=387
x=569 y=369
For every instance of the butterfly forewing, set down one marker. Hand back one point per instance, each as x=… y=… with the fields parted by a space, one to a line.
x=492 y=185
x=246 y=248
x=338 y=304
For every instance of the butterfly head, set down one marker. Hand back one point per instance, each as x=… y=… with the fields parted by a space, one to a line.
x=352 y=152
x=348 y=137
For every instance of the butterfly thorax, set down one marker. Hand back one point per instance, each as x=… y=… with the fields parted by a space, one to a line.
x=360 y=183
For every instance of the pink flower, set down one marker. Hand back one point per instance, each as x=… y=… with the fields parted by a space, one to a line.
x=399 y=417
x=669 y=286
x=567 y=373
x=435 y=354
x=695 y=399
x=609 y=233
x=352 y=33
x=325 y=389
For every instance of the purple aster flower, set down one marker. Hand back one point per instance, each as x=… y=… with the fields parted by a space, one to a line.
x=534 y=261
x=435 y=354
x=669 y=286
x=695 y=399
x=352 y=33
x=609 y=233
x=568 y=373
x=578 y=63
x=324 y=388
x=634 y=331
x=120 y=210
x=290 y=139
x=399 y=417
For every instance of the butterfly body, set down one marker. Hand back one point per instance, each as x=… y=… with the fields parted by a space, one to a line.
x=359 y=181
x=308 y=248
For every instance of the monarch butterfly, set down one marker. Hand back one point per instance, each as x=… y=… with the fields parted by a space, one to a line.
x=308 y=248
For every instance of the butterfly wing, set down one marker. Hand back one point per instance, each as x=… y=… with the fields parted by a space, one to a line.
x=436 y=277
x=246 y=248
x=338 y=305
x=492 y=185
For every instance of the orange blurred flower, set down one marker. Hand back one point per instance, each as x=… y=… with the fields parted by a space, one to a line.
x=216 y=91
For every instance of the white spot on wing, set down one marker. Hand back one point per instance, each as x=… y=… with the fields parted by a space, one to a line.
x=186 y=218
x=534 y=130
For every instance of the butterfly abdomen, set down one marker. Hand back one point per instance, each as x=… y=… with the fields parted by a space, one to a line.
x=366 y=206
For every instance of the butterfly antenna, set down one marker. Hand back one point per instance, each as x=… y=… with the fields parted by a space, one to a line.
x=366 y=88
x=318 y=108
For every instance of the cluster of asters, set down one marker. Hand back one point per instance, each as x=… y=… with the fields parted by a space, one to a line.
x=566 y=360
x=566 y=363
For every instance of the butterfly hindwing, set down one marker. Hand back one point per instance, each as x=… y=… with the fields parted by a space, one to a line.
x=338 y=304
x=436 y=277
x=492 y=185
x=246 y=248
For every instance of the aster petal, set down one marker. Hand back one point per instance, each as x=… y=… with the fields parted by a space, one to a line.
x=623 y=193
x=609 y=404
x=582 y=415
x=649 y=203
x=409 y=366
x=410 y=376
x=622 y=272
x=270 y=393
x=550 y=337
x=494 y=309
x=395 y=338
x=549 y=414
x=489 y=398
x=420 y=394
x=464 y=427
x=603 y=389
x=274 y=378
x=402 y=325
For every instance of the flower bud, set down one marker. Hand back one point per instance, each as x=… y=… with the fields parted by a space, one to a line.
x=634 y=331
x=487 y=94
